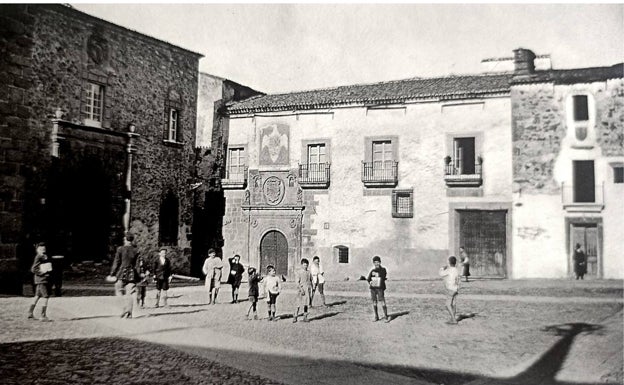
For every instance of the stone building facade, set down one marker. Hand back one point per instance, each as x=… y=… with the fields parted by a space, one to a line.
x=408 y=170
x=213 y=94
x=411 y=170
x=568 y=169
x=98 y=136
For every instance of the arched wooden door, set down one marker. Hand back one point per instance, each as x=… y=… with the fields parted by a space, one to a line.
x=274 y=251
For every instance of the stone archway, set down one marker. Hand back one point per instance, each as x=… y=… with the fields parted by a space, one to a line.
x=274 y=251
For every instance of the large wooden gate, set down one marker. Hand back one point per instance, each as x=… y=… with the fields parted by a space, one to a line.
x=483 y=234
x=274 y=251
x=587 y=236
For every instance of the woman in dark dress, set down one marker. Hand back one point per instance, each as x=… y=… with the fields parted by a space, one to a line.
x=236 y=276
x=580 y=262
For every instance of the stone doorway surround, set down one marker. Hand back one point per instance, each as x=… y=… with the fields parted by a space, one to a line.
x=274 y=202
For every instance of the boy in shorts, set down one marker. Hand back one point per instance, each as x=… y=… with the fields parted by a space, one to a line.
x=318 y=279
x=254 y=280
x=41 y=268
x=377 y=283
x=272 y=289
x=450 y=277
x=162 y=275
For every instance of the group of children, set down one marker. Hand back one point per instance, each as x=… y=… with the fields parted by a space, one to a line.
x=307 y=283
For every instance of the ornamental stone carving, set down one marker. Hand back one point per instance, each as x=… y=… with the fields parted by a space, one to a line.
x=273 y=190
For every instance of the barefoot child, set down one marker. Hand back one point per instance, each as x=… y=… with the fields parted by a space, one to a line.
x=41 y=268
x=303 y=279
x=451 y=279
x=272 y=289
x=254 y=280
x=377 y=282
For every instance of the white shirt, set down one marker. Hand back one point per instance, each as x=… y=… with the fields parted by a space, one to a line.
x=451 y=278
x=317 y=273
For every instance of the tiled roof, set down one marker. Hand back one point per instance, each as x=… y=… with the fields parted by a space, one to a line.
x=450 y=87
x=443 y=88
x=571 y=76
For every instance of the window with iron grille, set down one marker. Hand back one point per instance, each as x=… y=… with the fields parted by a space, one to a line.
x=94 y=104
x=402 y=203
x=343 y=253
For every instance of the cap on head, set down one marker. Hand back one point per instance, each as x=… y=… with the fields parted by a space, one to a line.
x=377 y=258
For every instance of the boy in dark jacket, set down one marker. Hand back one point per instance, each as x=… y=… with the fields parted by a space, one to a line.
x=41 y=268
x=254 y=280
x=377 y=283
x=162 y=275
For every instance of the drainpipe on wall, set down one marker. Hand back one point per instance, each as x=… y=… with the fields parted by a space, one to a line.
x=130 y=149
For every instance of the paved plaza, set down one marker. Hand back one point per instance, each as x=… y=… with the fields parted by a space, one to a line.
x=516 y=332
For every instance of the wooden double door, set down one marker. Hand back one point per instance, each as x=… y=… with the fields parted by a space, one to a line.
x=274 y=251
x=586 y=235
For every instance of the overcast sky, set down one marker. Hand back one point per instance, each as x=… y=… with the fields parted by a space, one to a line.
x=289 y=47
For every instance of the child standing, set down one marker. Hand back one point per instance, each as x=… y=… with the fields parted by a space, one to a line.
x=303 y=279
x=377 y=282
x=465 y=262
x=144 y=275
x=451 y=278
x=272 y=288
x=236 y=276
x=318 y=279
x=162 y=274
x=41 y=268
x=254 y=280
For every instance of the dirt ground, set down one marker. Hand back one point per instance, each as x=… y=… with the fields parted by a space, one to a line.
x=523 y=330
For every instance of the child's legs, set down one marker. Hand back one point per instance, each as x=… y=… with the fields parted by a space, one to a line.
x=35 y=299
x=119 y=287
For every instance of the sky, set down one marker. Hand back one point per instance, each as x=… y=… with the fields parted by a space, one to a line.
x=290 y=47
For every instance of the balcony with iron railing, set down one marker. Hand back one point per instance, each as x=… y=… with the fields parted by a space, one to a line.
x=457 y=174
x=235 y=179
x=314 y=175
x=582 y=199
x=380 y=174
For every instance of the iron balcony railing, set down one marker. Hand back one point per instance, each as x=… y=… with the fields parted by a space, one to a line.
x=457 y=174
x=314 y=174
x=587 y=199
x=235 y=178
x=379 y=172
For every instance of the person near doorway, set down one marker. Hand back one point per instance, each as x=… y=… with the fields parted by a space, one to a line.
x=162 y=275
x=254 y=292
x=236 y=276
x=124 y=269
x=580 y=261
x=377 y=283
x=465 y=263
x=212 y=269
x=41 y=269
x=318 y=279
x=303 y=279
x=450 y=277
x=272 y=288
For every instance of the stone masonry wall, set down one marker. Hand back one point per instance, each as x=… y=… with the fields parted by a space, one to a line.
x=54 y=57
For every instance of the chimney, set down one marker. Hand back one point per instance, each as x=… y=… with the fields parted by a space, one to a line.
x=524 y=62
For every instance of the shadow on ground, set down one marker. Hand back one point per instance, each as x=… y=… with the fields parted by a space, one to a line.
x=104 y=360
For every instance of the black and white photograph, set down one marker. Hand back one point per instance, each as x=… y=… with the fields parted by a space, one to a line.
x=311 y=193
